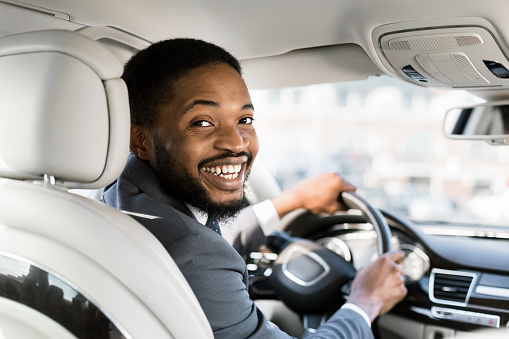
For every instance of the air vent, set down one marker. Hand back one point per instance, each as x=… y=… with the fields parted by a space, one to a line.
x=451 y=287
x=433 y=42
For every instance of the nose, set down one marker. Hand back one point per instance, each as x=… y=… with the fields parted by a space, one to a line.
x=231 y=138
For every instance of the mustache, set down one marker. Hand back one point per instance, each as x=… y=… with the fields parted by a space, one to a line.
x=226 y=155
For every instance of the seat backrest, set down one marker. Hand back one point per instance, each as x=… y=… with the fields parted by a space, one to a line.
x=70 y=265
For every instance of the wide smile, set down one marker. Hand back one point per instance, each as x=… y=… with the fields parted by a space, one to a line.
x=225 y=174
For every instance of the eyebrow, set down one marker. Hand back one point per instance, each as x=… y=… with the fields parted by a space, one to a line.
x=211 y=104
x=248 y=106
x=200 y=102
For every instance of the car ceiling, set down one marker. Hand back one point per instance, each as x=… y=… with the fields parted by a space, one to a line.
x=306 y=41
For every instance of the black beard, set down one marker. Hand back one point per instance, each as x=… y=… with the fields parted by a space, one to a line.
x=177 y=181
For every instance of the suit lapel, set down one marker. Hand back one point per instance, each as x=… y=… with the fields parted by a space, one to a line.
x=143 y=176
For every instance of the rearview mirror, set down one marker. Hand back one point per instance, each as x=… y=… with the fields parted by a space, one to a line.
x=488 y=121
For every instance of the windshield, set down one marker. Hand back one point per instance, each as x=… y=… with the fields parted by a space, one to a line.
x=384 y=136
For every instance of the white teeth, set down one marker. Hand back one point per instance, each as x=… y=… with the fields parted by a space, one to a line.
x=225 y=171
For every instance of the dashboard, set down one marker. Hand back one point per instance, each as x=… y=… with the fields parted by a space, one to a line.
x=360 y=248
x=457 y=276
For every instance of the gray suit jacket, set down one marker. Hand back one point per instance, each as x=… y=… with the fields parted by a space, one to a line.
x=215 y=271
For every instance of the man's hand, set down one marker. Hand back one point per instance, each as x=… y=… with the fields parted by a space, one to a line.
x=318 y=194
x=379 y=286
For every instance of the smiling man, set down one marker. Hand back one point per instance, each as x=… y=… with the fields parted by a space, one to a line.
x=192 y=144
x=204 y=141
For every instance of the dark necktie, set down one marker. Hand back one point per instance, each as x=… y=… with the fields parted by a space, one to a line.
x=213 y=224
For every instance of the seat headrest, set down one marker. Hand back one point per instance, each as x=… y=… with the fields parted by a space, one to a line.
x=64 y=109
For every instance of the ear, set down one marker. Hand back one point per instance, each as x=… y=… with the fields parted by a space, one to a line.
x=141 y=143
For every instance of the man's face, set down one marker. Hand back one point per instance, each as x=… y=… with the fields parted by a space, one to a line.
x=204 y=140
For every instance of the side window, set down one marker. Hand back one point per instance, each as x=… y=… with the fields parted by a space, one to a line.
x=36 y=288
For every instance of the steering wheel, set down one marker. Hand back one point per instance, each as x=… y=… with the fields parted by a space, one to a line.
x=311 y=279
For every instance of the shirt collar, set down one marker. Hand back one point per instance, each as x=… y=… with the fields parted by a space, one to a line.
x=198 y=214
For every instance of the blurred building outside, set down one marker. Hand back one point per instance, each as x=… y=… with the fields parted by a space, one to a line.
x=385 y=137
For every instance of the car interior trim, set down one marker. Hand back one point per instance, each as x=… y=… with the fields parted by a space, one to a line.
x=431 y=230
x=476 y=318
x=435 y=271
x=56 y=14
x=336 y=242
x=493 y=291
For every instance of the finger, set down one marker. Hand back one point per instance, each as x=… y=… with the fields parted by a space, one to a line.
x=346 y=186
x=334 y=206
x=401 y=270
x=349 y=187
x=329 y=207
x=395 y=269
x=396 y=256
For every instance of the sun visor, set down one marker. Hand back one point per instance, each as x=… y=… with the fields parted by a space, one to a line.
x=457 y=56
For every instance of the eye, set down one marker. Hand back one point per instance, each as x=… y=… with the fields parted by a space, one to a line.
x=202 y=123
x=246 y=120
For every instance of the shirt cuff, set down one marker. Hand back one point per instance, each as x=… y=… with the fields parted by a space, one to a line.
x=359 y=310
x=267 y=216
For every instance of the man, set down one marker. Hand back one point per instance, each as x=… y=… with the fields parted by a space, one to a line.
x=193 y=143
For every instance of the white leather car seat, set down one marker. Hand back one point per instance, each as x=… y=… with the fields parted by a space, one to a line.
x=64 y=123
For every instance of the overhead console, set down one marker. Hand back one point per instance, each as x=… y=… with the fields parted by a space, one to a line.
x=464 y=53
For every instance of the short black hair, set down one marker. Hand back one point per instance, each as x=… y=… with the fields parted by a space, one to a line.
x=151 y=73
